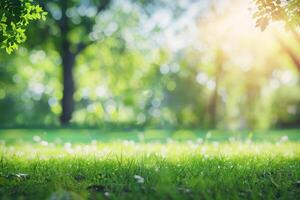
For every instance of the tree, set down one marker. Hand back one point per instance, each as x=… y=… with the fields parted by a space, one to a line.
x=70 y=28
x=15 y=16
x=286 y=11
x=290 y=51
x=68 y=18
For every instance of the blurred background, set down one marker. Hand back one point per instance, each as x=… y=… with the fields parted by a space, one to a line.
x=159 y=64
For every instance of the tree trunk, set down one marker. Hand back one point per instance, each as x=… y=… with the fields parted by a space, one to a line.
x=289 y=51
x=212 y=108
x=213 y=104
x=68 y=61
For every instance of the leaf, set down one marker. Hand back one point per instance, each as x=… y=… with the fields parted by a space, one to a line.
x=262 y=23
x=14 y=21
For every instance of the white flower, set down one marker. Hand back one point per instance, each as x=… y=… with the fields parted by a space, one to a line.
x=44 y=143
x=139 y=179
x=284 y=138
x=106 y=194
x=203 y=150
x=67 y=145
x=208 y=135
x=36 y=138
x=232 y=139
x=216 y=144
x=199 y=141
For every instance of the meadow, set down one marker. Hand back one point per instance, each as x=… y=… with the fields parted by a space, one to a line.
x=149 y=164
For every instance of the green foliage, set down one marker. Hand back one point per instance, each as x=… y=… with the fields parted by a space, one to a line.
x=124 y=77
x=277 y=10
x=15 y=16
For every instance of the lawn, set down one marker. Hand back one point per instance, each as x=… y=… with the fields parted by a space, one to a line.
x=149 y=164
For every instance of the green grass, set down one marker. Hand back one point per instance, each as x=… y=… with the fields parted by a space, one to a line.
x=154 y=164
x=11 y=136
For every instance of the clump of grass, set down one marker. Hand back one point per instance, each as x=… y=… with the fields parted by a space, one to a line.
x=129 y=170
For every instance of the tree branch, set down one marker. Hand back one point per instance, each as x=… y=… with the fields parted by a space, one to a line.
x=296 y=35
x=103 y=5
x=82 y=46
x=288 y=50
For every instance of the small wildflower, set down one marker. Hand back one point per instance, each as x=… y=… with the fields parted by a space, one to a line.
x=106 y=194
x=78 y=148
x=284 y=138
x=163 y=152
x=51 y=145
x=248 y=141
x=232 y=139
x=36 y=138
x=19 y=153
x=216 y=144
x=141 y=137
x=44 y=143
x=139 y=179
x=208 y=135
x=199 y=141
x=57 y=141
x=203 y=150
x=170 y=140
x=67 y=145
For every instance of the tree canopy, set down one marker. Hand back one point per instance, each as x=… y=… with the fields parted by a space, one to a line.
x=130 y=63
x=286 y=11
x=15 y=16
